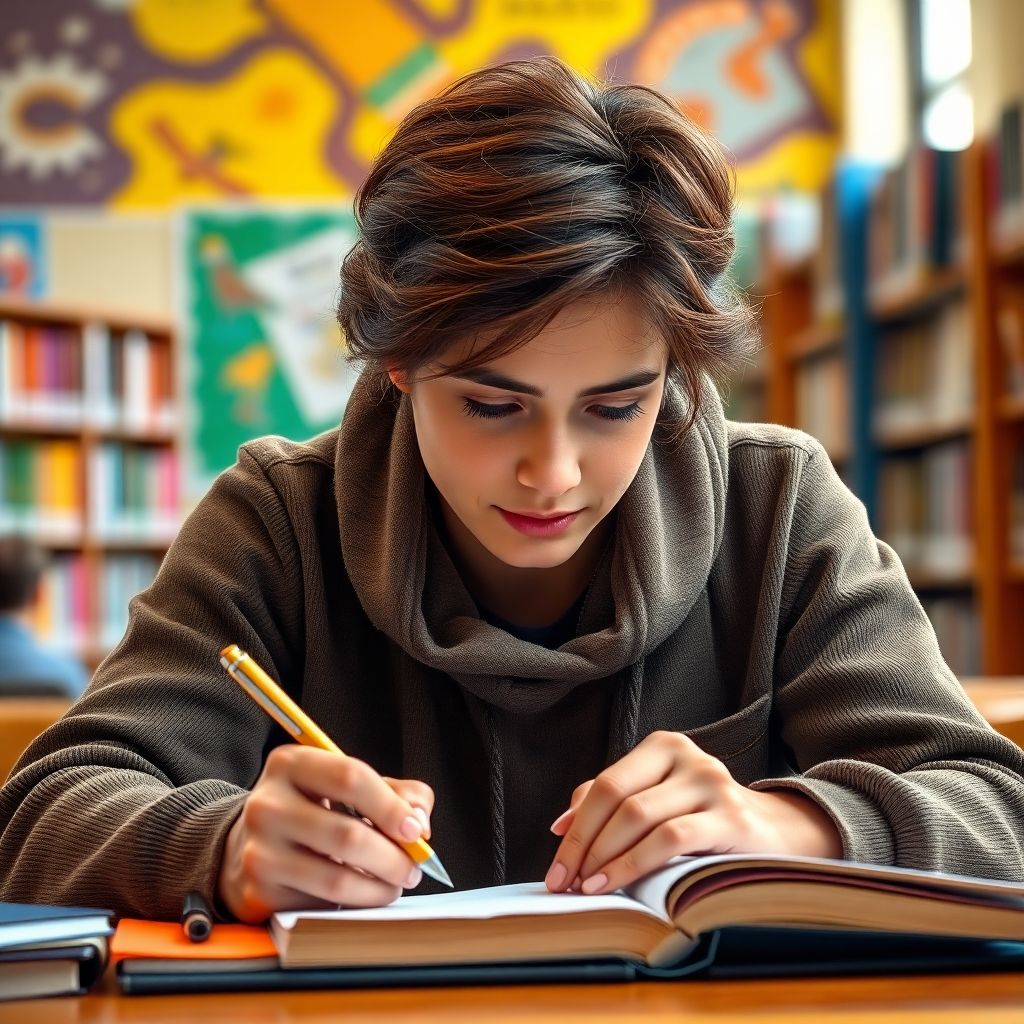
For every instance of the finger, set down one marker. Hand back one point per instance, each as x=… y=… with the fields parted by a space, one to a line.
x=347 y=780
x=639 y=815
x=336 y=884
x=419 y=796
x=691 y=834
x=280 y=815
x=643 y=767
x=561 y=824
x=343 y=838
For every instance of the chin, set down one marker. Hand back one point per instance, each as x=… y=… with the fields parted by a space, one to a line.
x=535 y=554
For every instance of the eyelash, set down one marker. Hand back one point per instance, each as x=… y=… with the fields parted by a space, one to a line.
x=613 y=413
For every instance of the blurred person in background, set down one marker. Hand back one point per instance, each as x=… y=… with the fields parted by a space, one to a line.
x=26 y=665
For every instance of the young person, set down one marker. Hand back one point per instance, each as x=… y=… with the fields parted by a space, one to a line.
x=28 y=666
x=566 y=619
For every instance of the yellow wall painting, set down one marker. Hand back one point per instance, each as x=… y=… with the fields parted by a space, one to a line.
x=144 y=103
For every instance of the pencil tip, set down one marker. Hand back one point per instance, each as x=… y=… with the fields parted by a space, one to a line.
x=435 y=869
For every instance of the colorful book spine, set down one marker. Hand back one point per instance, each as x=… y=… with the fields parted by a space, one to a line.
x=133 y=493
x=41 y=488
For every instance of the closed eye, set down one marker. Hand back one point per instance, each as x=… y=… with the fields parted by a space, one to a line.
x=486 y=410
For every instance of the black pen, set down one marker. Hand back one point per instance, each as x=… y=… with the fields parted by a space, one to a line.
x=196 y=917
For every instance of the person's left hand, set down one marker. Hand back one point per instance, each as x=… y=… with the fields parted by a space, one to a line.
x=668 y=797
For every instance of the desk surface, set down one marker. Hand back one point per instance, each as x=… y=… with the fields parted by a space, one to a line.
x=920 y=999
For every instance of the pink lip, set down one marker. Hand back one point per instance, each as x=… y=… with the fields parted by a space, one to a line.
x=539 y=526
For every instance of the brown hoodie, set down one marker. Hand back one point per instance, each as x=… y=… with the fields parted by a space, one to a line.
x=743 y=600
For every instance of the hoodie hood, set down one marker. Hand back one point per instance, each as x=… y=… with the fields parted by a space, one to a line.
x=668 y=531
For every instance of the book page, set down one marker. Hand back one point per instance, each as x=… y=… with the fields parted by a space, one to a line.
x=524 y=898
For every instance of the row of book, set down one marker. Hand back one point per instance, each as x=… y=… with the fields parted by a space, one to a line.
x=133 y=492
x=924 y=373
x=41 y=487
x=127 y=492
x=93 y=376
x=74 y=612
x=925 y=509
x=822 y=397
x=915 y=221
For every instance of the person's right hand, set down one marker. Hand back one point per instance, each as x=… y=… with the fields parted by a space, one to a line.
x=287 y=850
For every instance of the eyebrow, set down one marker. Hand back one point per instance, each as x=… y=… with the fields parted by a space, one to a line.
x=491 y=379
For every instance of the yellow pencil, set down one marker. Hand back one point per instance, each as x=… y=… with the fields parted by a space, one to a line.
x=258 y=685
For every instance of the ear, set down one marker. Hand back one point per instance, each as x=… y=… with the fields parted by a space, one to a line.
x=398 y=378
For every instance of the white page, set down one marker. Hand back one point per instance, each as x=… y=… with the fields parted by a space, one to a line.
x=531 y=898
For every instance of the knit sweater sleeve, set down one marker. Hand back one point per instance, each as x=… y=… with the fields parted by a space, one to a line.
x=876 y=726
x=126 y=801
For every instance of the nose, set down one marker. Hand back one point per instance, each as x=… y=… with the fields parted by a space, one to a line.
x=550 y=465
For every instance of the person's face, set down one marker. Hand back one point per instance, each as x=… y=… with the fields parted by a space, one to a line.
x=554 y=431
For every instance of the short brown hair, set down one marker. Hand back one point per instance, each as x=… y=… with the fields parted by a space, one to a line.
x=524 y=187
x=21 y=567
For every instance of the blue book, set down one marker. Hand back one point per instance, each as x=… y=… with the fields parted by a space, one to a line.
x=24 y=924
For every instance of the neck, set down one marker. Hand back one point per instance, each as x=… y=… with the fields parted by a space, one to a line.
x=524 y=597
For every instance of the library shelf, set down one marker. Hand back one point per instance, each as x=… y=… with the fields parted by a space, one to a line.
x=878 y=314
x=931 y=290
x=815 y=340
x=89 y=437
x=929 y=579
x=43 y=428
x=923 y=435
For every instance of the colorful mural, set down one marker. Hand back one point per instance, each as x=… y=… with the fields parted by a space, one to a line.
x=145 y=103
x=262 y=351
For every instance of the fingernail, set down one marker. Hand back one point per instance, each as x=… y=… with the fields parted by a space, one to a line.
x=558 y=821
x=414 y=878
x=556 y=876
x=594 y=883
x=411 y=828
x=424 y=819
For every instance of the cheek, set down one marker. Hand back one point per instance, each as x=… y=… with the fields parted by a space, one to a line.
x=459 y=460
x=614 y=463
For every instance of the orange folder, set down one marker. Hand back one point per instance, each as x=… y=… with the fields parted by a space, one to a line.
x=166 y=940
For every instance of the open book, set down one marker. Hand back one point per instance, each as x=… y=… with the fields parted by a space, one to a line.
x=656 y=921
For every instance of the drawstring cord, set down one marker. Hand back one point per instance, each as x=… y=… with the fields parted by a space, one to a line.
x=497 y=774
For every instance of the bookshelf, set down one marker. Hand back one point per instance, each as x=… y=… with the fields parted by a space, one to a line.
x=921 y=406
x=88 y=460
x=811 y=308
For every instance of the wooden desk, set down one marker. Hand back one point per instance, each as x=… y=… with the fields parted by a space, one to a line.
x=921 y=999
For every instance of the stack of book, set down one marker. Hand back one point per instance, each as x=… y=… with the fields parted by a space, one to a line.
x=48 y=951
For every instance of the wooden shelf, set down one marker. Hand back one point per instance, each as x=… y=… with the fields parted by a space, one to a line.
x=923 y=436
x=1015 y=572
x=1008 y=253
x=1011 y=407
x=927 y=579
x=117 y=319
x=37 y=428
x=929 y=292
x=815 y=340
x=153 y=546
